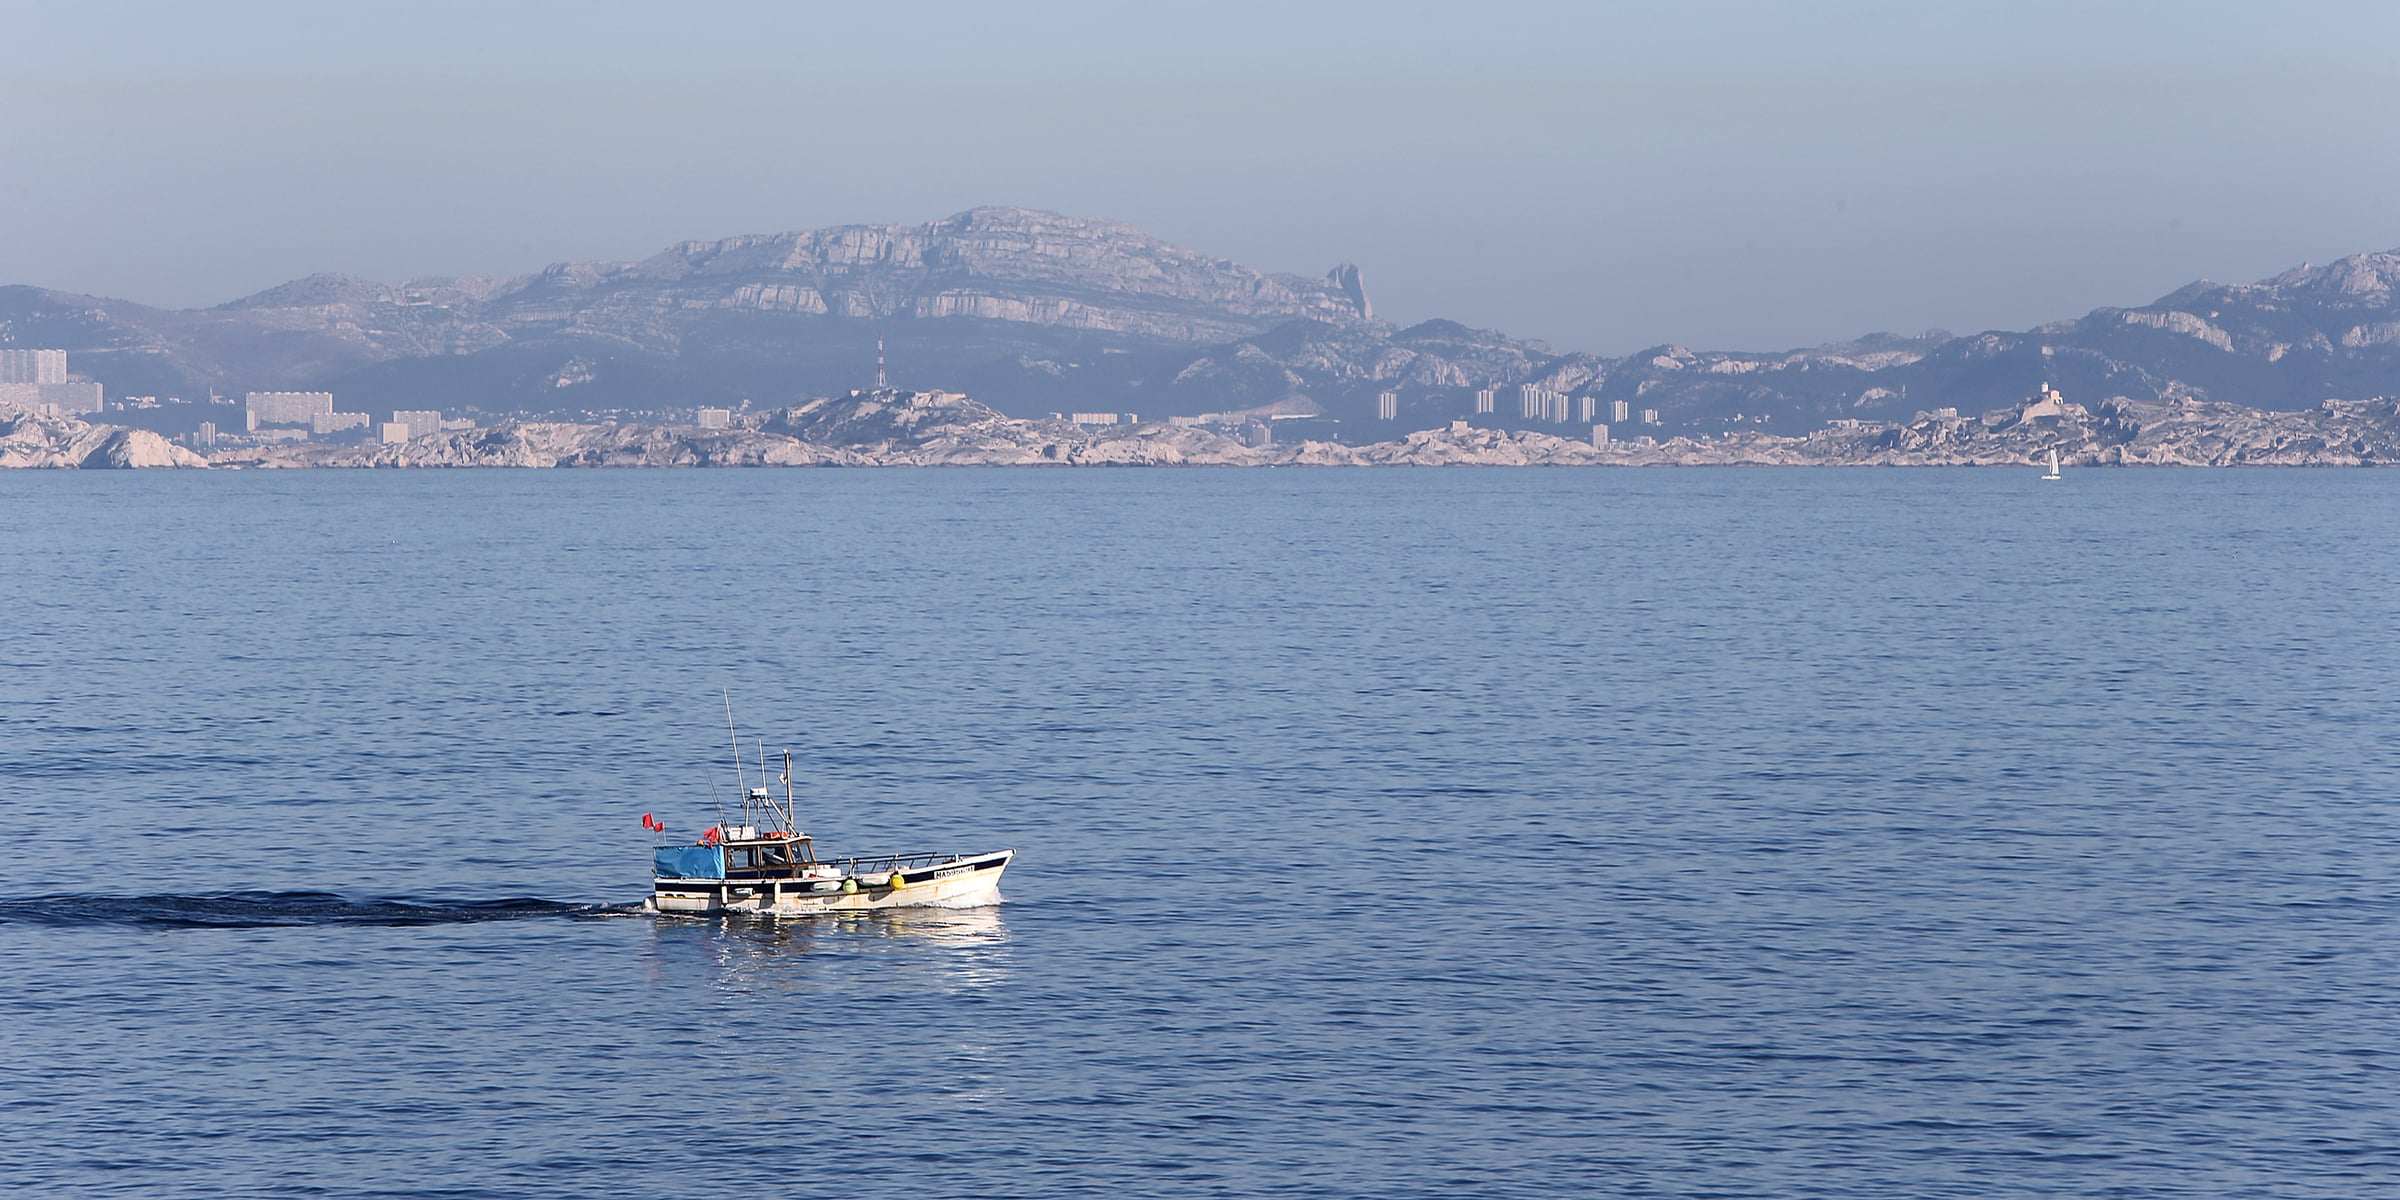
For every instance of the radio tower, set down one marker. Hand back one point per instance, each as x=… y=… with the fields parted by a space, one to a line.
x=880 y=382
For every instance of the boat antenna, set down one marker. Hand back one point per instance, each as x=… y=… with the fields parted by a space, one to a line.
x=712 y=799
x=789 y=824
x=740 y=785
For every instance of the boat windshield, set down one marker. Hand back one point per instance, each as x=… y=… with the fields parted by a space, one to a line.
x=747 y=857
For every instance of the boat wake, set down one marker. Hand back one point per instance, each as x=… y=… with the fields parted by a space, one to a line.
x=266 y=910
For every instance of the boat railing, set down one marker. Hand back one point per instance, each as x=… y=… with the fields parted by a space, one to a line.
x=870 y=863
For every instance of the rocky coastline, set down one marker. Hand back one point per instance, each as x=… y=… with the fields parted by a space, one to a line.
x=929 y=429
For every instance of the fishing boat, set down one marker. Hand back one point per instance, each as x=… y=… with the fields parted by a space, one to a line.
x=762 y=864
x=2053 y=464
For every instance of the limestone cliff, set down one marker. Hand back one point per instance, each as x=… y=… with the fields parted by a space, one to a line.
x=999 y=264
x=27 y=440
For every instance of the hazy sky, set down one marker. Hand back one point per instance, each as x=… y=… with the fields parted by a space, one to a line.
x=1603 y=176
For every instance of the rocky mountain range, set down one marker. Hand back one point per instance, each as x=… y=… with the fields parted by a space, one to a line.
x=1033 y=312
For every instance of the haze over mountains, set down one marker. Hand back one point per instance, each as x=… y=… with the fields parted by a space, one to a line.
x=1032 y=312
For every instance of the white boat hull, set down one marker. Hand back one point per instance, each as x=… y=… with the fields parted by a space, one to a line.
x=969 y=881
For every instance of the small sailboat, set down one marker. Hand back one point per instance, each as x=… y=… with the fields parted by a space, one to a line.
x=2053 y=464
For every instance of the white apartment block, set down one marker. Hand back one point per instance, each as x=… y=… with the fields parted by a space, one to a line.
x=36 y=380
x=1541 y=404
x=285 y=408
x=33 y=366
x=420 y=422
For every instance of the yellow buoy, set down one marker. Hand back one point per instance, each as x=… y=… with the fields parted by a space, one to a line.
x=899 y=881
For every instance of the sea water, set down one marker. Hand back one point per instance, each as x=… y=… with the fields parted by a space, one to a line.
x=1384 y=833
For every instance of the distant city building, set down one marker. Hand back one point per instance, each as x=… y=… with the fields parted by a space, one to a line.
x=420 y=422
x=335 y=422
x=207 y=434
x=72 y=398
x=36 y=380
x=1129 y=418
x=392 y=433
x=33 y=366
x=1620 y=411
x=282 y=433
x=716 y=418
x=285 y=408
x=1091 y=418
x=1257 y=433
x=1600 y=435
x=1591 y=409
x=1387 y=406
x=1483 y=400
x=1943 y=414
x=1649 y=416
x=1541 y=404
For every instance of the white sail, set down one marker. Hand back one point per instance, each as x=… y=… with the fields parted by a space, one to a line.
x=2053 y=464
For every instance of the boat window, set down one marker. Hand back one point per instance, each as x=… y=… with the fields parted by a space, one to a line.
x=738 y=859
x=775 y=856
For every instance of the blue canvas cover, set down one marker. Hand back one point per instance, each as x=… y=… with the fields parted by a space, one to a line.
x=691 y=862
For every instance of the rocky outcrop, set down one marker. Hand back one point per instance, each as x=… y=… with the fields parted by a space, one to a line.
x=558 y=444
x=2121 y=432
x=915 y=428
x=138 y=449
x=1346 y=278
x=28 y=440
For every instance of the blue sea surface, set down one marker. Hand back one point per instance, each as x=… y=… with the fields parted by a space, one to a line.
x=1486 y=833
